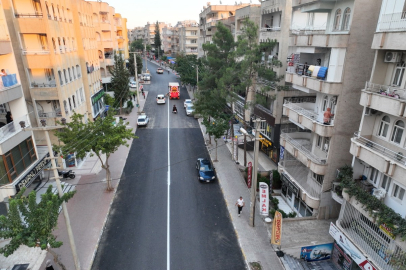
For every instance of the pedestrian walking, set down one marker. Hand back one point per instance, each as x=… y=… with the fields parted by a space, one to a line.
x=240 y=204
x=143 y=94
x=134 y=96
x=49 y=265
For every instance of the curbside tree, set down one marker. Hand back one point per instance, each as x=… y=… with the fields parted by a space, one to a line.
x=120 y=78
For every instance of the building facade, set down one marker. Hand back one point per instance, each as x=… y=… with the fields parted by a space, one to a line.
x=188 y=37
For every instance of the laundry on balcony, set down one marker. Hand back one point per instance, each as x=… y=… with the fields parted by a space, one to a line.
x=9 y=80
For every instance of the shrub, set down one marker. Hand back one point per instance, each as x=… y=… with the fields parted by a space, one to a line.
x=276 y=180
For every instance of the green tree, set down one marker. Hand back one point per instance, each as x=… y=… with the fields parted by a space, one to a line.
x=137 y=45
x=186 y=67
x=120 y=80
x=30 y=223
x=149 y=48
x=101 y=137
x=131 y=69
x=157 y=41
x=217 y=127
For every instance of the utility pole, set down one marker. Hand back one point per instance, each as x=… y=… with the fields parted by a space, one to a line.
x=58 y=183
x=146 y=64
x=136 y=80
x=197 y=77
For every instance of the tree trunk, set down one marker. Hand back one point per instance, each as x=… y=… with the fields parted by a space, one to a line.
x=232 y=139
x=108 y=174
x=216 y=150
x=121 y=105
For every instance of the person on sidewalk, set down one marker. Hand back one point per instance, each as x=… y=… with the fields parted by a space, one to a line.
x=240 y=204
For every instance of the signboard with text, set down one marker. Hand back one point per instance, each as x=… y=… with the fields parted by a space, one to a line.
x=277 y=229
x=316 y=253
x=249 y=182
x=264 y=198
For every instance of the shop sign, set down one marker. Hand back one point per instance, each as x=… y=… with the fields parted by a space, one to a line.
x=249 y=174
x=387 y=230
x=264 y=198
x=292 y=186
x=265 y=141
x=277 y=229
x=316 y=253
x=349 y=248
x=32 y=175
x=96 y=97
x=282 y=153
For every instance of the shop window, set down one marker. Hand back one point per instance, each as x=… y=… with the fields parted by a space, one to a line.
x=337 y=20
x=384 y=127
x=398 y=192
x=398 y=132
x=346 y=19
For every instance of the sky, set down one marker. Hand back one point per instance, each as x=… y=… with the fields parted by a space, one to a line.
x=138 y=12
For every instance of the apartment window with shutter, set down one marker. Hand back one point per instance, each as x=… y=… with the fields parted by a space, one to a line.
x=398 y=132
x=398 y=192
x=398 y=74
x=373 y=176
x=384 y=127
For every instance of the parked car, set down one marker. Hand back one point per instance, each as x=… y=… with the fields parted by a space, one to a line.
x=189 y=109
x=187 y=102
x=160 y=99
x=132 y=84
x=142 y=120
x=146 y=77
x=160 y=71
x=205 y=170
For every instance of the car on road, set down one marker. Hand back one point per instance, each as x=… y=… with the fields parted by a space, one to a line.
x=146 y=77
x=187 y=102
x=205 y=170
x=142 y=120
x=189 y=109
x=132 y=84
x=160 y=99
x=160 y=71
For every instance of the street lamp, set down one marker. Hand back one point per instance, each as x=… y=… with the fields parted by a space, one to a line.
x=58 y=182
x=255 y=171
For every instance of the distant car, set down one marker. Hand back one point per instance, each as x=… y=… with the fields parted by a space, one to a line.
x=146 y=77
x=187 y=102
x=142 y=120
x=205 y=170
x=132 y=84
x=160 y=99
x=189 y=109
x=160 y=71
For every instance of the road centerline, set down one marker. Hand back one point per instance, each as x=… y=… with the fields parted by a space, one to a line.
x=168 y=202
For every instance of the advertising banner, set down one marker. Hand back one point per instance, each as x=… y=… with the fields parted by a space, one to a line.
x=316 y=253
x=235 y=148
x=277 y=229
x=249 y=183
x=264 y=198
x=349 y=248
x=282 y=153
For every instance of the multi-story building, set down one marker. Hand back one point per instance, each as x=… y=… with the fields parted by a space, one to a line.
x=378 y=147
x=328 y=61
x=188 y=38
x=209 y=17
x=149 y=33
x=250 y=12
x=21 y=161
x=136 y=33
x=122 y=35
x=167 y=40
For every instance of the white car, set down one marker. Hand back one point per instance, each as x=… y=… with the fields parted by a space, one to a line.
x=147 y=77
x=132 y=84
x=187 y=102
x=160 y=99
x=142 y=120
x=189 y=109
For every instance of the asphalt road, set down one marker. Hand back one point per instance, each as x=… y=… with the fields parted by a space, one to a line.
x=197 y=233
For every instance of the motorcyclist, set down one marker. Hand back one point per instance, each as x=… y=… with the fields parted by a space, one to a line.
x=174 y=109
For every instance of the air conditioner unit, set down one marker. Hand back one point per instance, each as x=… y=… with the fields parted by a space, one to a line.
x=392 y=57
x=379 y=193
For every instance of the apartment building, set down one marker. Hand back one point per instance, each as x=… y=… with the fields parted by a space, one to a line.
x=122 y=35
x=21 y=161
x=378 y=147
x=188 y=38
x=167 y=33
x=209 y=17
x=328 y=59
x=250 y=12
x=136 y=33
x=149 y=33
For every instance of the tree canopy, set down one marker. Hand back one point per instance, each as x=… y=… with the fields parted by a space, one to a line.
x=137 y=45
x=120 y=78
x=30 y=223
x=186 y=67
x=157 y=40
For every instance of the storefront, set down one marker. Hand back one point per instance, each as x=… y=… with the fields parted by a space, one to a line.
x=268 y=133
x=98 y=104
x=292 y=195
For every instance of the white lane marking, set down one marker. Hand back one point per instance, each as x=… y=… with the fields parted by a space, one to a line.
x=168 y=203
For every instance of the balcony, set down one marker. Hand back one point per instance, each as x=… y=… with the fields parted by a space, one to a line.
x=308 y=119
x=299 y=145
x=107 y=43
x=392 y=22
x=375 y=97
x=38 y=59
x=5 y=47
x=44 y=91
x=269 y=33
x=53 y=114
x=270 y=5
x=11 y=129
x=303 y=83
x=32 y=23
x=318 y=38
x=389 y=161
x=10 y=89
x=310 y=190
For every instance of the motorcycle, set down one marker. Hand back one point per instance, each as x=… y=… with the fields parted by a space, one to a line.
x=175 y=111
x=67 y=174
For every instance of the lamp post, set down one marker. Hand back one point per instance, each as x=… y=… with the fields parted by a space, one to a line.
x=136 y=80
x=58 y=182
x=255 y=170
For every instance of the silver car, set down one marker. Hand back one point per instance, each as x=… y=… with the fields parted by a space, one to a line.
x=189 y=109
x=147 y=77
x=142 y=120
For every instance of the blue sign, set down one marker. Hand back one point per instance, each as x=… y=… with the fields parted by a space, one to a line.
x=316 y=253
x=282 y=153
x=107 y=107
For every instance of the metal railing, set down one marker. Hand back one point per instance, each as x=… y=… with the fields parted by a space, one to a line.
x=377 y=88
x=270 y=29
x=28 y=52
x=54 y=114
x=306 y=113
x=12 y=128
x=307 y=152
x=28 y=15
x=42 y=85
x=392 y=22
x=398 y=157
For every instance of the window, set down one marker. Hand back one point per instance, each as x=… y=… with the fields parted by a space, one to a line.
x=310 y=19
x=60 y=77
x=74 y=101
x=326 y=144
x=398 y=132
x=70 y=76
x=78 y=71
x=398 y=74
x=324 y=104
x=73 y=71
x=319 y=141
x=384 y=126
x=319 y=178
x=66 y=77
x=346 y=20
x=373 y=176
x=49 y=74
x=337 y=20
x=81 y=95
x=386 y=182
x=70 y=104
x=398 y=192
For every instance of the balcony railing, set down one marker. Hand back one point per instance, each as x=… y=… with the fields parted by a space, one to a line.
x=307 y=152
x=385 y=90
x=392 y=22
x=12 y=128
x=42 y=85
x=54 y=114
x=397 y=157
x=28 y=15
x=28 y=52
x=8 y=81
x=270 y=29
x=306 y=113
